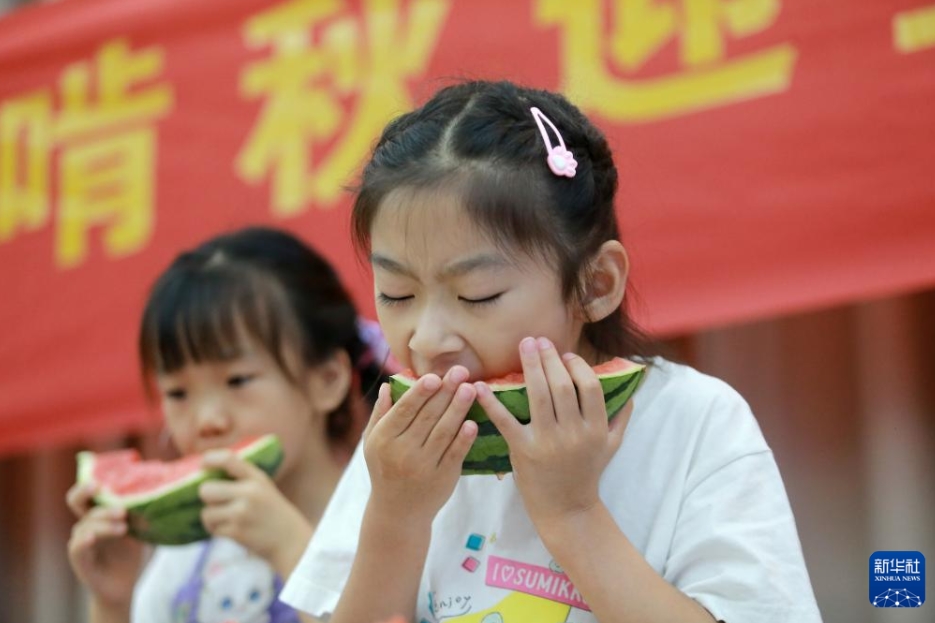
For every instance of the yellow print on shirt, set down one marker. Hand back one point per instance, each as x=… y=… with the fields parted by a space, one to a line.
x=519 y=608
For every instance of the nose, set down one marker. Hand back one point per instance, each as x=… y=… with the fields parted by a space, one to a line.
x=212 y=417
x=433 y=336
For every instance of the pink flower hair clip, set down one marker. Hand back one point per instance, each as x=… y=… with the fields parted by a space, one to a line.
x=561 y=161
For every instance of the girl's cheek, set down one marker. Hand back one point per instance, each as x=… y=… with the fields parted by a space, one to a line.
x=398 y=343
x=179 y=424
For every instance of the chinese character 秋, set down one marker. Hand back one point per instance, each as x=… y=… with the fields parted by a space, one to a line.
x=332 y=80
x=640 y=29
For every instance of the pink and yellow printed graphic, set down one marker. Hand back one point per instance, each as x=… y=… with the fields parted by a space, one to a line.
x=533 y=580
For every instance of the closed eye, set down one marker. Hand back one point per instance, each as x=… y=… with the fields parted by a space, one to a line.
x=239 y=380
x=389 y=301
x=482 y=301
x=176 y=393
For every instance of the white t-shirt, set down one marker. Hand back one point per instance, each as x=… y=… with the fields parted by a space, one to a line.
x=215 y=581
x=694 y=487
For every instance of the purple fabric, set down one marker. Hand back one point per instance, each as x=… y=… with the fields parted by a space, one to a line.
x=185 y=603
x=186 y=600
x=378 y=351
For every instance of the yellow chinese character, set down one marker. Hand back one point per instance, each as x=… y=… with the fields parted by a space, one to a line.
x=914 y=30
x=358 y=62
x=641 y=29
x=106 y=182
x=25 y=150
x=108 y=151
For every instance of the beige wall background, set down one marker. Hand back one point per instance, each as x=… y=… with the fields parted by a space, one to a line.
x=845 y=397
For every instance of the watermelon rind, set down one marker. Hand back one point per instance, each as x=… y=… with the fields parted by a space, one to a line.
x=489 y=454
x=171 y=515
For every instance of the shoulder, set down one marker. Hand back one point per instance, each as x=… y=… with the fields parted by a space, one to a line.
x=679 y=392
x=684 y=413
x=672 y=384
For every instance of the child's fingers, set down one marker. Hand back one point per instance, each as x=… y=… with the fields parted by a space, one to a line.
x=460 y=445
x=435 y=407
x=214 y=492
x=381 y=407
x=232 y=465
x=619 y=424
x=590 y=393
x=446 y=429
x=97 y=525
x=215 y=517
x=506 y=423
x=410 y=404
x=560 y=383
x=541 y=410
x=80 y=498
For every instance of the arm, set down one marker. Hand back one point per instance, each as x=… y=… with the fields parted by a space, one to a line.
x=101 y=612
x=558 y=459
x=612 y=576
x=414 y=450
x=102 y=556
x=251 y=510
x=734 y=547
x=389 y=563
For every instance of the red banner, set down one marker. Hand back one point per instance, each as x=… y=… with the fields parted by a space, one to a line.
x=774 y=155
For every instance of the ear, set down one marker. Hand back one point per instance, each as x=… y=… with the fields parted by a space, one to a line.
x=606 y=281
x=330 y=381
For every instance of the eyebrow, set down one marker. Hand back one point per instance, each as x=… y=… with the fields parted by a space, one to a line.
x=483 y=261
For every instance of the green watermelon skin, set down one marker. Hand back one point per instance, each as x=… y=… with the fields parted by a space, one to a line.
x=174 y=518
x=489 y=454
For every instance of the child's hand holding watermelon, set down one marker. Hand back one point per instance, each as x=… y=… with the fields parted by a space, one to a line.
x=415 y=447
x=103 y=557
x=251 y=510
x=414 y=450
x=558 y=458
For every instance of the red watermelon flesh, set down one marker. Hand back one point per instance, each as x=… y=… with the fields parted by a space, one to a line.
x=614 y=367
x=161 y=497
x=124 y=473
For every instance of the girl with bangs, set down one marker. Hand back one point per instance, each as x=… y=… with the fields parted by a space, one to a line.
x=250 y=333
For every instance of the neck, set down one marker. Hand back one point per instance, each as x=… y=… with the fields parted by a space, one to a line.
x=312 y=480
x=589 y=353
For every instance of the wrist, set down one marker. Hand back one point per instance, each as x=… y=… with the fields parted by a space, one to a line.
x=559 y=529
x=109 y=611
x=390 y=521
x=386 y=516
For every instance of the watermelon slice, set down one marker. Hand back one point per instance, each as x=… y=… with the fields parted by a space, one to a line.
x=161 y=497
x=489 y=453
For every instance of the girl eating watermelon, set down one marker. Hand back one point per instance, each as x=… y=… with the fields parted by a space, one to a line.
x=249 y=334
x=488 y=217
